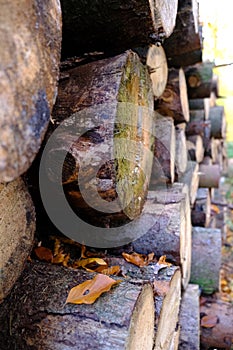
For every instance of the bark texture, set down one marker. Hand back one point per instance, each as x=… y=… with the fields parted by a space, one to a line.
x=199 y=80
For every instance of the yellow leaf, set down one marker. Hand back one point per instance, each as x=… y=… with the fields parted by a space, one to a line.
x=162 y=261
x=90 y=263
x=215 y=208
x=113 y=270
x=90 y=290
x=138 y=259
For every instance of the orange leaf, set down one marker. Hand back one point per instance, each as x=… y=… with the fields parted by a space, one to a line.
x=61 y=258
x=162 y=261
x=88 y=291
x=215 y=208
x=44 y=254
x=138 y=259
x=113 y=270
x=90 y=263
x=209 y=321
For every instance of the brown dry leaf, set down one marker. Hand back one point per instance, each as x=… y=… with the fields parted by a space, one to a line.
x=215 y=208
x=139 y=260
x=90 y=264
x=113 y=270
x=209 y=321
x=162 y=261
x=44 y=254
x=61 y=258
x=90 y=290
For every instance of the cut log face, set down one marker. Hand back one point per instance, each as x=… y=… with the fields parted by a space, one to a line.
x=209 y=175
x=191 y=179
x=181 y=159
x=199 y=80
x=174 y=101
x=218 y=122
x=30 y=38
x=17 y=227
x=195 y=148
x=119 y=319
x=109 y=105
x=115 y=26
x=202 y=208
x=200 y=104
x=206 y=258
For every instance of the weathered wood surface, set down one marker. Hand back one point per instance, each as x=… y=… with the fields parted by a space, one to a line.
x=163 y=169
x=197 y=115
x=30 y=36
x=220 y=335
x=184 y=46
x=191 y=179
x=174 y=100
x=206 y=258
x=17 y=228
x=218 y=122
x=155 y=59
x=109 y=103
x=201 y=210
x=195 y=148
x=200 y=104
x=123 y=318
x=209 y=175
x=199 y=80
x=181 y=159
x=115 y=26
x=189 y=319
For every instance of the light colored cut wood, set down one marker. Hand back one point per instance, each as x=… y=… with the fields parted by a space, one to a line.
x=181 y=159
x=191 y=179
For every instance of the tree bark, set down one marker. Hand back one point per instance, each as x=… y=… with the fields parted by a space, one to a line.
x=220 y=335
x=107 y=109
x=191 y=179
x=218 y=122
x=201 y=210
x=199 y=80
x=163 y=169
x=206 y=259
x=195 y=148
x=114 y=26
x=122 y=318
x=174 y=100
x=17 y=227
x=197 y=115
x=155 y=59
x=190 y=319
x=30 y=38
x=184 y=46
x=209 y=175
x=200 y=104
x=181 y=159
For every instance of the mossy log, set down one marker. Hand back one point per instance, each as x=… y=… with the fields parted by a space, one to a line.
x=201 y=210
x=206 y=258
x=30 y=36
x=108 y=133
x=218 y=122
x=181 y=159
x=220 y=335
x=155 y=59
x=199 y=80
x=17 y=228
x=189 y=319
x=35 y=314
x=184 y=46
x=191 y=179
x=174 y=101
x=115 y=26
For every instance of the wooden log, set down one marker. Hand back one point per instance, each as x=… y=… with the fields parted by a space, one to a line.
x=181 y=159
x=220 y=335
x=115 y=26
x=155 y=59
x=218 y=122
x=209 y=175
x=30 y=38
x=184 y=46
x=123 y=318
x=174 y=100
x=163 y=169
x=201 y=210
x=191 y=179
x=200 y=104
x=17 y=227
x=189 y=319
x=194 y=145
x=197 y=115
x=109 y=103
x=199 y=80
x=206 y=259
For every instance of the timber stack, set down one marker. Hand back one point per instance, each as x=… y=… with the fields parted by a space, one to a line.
x=114 y=106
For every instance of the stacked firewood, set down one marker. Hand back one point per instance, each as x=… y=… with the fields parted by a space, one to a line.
x=142 y=142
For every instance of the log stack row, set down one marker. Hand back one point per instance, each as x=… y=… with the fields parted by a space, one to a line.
x=135 y=137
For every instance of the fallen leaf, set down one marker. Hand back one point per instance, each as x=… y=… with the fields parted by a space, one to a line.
x=215 y=208
x=113 y=270
x=90 y=290
x=209 y=321
x=61 y=258
x=162 y=261
x=44 y=254
x=139 y=260
x=90 y=264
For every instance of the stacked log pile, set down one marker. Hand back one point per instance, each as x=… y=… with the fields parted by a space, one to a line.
x=138 y=143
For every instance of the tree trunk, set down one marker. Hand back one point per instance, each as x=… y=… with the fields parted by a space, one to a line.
x=184 y=46
x=218 y=122
x=17 y=227
x=163 y=169
x=174 y=100
x=209 y=175
x=220 y=335
x=155 y=59
x=181 y=159
x=191 y=179
x=190 y=319
x=114 y=26
x=199 y=80
x=120 y=319
x=194 y=145
x=30 y=38
x=200 y=213
x=206 y=258
x=105 y=140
